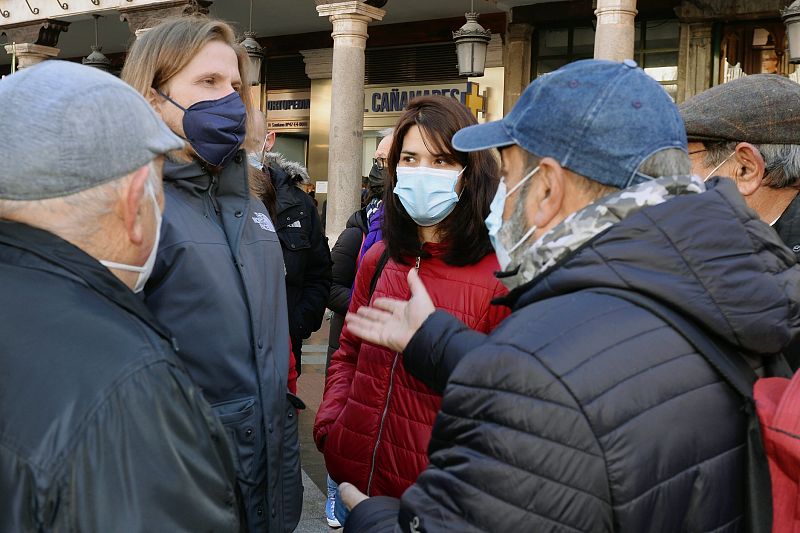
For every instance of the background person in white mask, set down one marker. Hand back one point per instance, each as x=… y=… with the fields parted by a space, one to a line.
x=101 y=427
x=749 y=130
x=375 y=420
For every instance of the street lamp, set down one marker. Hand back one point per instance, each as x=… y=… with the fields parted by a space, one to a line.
x=96 y=59
x=254 y=51
x=791 y=17
x=472 y=41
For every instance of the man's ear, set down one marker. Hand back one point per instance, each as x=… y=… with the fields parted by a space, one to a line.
x=270 y=141
x=750 y=168
x=132 y=204
x=546 y=196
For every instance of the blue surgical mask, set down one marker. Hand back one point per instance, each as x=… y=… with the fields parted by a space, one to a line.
x=214 y=128
x=428 y=194
x=495 y=221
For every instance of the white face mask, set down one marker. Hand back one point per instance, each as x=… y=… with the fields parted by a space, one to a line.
x=494 y=222
x=147 y=268
x=718 y=166
x=427 y=194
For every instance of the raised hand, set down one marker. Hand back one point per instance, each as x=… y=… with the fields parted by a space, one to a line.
x=392 y=323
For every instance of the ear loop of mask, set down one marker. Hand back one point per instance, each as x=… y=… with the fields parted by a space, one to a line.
x=718 y=166
x=534 y=227
x=264 y=149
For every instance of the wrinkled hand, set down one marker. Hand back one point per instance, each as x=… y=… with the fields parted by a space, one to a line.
x=351 y=496
x=392 y=323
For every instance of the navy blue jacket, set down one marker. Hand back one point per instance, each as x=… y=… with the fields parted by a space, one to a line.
x=218 y=285
x=584 y=412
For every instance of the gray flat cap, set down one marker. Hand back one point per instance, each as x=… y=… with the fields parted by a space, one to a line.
x=65 y=128
x=760 y=109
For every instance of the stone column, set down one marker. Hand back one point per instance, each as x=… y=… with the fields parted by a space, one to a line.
x=319 y=69
x=695 y=60
x=350 y=20
x=517 y=63
x=141 y=19
x=33 y=43
x=615 y=34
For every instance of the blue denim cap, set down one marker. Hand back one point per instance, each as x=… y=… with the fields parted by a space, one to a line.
x=600 y=119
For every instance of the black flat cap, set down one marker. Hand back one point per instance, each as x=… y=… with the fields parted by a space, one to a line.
x=760 y=109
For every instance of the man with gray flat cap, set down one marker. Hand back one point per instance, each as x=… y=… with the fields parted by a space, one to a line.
x=596 y=405
x=101 y=428
x=749 y=130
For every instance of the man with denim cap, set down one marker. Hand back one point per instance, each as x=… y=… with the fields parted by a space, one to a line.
x=101 y=428
x=583 y=410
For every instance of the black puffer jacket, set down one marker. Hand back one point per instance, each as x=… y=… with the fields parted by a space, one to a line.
x=584 y=412
x=305 y=249
x=345 y=263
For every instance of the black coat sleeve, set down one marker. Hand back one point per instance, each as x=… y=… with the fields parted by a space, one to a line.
x=374 y=515
x=344 y=256
x=437 y=347
x=316 y=289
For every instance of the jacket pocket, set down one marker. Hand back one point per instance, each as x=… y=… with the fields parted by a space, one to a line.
x=241 y=425
x=295 y=239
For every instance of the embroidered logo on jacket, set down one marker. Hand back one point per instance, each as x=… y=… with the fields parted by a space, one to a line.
x=295 y=224
x=263 y=220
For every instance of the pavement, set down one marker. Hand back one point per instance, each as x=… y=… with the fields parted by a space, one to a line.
x=310 y=386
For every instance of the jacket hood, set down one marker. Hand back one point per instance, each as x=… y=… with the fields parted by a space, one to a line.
x=706 y=255
x=293 y=173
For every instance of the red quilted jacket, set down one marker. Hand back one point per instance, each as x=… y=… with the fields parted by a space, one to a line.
x=375 y=420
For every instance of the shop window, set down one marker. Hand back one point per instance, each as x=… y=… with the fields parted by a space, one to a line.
x=754 y=48
x=656 y=49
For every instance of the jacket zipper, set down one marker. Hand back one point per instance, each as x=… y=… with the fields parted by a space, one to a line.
x=212 y=189
x=383 y=419
x=385 y=409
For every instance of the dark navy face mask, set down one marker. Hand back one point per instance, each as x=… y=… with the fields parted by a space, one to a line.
x=214 y=128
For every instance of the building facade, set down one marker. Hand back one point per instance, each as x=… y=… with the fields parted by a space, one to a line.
x=335 y=76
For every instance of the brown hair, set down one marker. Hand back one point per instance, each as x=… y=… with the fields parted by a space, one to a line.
x=463 y=231
x=164 y=50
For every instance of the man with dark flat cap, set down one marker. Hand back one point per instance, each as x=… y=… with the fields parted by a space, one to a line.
x=749 y=130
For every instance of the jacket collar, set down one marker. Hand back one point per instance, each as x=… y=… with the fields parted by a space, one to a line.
x=42 y=250
x=788 y=226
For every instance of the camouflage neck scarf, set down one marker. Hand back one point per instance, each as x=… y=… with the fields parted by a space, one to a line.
x=583 y=225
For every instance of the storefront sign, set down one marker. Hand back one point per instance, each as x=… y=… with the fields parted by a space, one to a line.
x=288 y=110
x=386 y=100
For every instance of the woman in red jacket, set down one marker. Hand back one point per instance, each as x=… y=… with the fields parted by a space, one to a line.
x=375 y=420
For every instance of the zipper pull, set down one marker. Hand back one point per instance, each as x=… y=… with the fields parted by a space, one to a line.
x=417 y=263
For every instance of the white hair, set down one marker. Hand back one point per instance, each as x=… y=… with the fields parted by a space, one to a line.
x=80 y=212
x=781 y=161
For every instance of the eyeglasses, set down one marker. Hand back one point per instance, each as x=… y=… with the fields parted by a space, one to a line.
x=379 y=162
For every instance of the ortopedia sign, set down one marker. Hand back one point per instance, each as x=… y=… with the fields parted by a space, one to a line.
x=287 y=110
x=389 y=99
